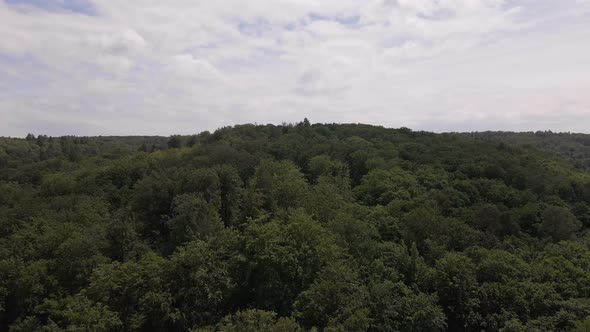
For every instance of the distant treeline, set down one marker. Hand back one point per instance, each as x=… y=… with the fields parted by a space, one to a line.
x=575 y=147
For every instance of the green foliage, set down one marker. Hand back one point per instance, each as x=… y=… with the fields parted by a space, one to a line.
x=281 y=184
x=303 y=227
x=200 y=284
x=193 y=218
x=396 y=307
x=175 y=142
x=582 y=326
x=559 y=223
x=335 y=301
x=285 y=257
x=455 y=282
x=75 y=313
x=254 y=320
x=135 y=290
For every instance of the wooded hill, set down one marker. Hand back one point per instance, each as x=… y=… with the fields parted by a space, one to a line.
x=295 y=228
x=574 y=147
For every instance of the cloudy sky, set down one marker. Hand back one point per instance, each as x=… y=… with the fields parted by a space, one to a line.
x=104 y=67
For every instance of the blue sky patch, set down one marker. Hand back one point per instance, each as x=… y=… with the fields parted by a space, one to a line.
x=254 y=28
x=344 y=20
x=84 y=7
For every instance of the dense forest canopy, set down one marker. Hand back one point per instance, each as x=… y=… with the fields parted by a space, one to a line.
x=295 y=228
x=575 y=147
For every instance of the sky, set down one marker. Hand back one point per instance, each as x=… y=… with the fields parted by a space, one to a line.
x=152 y=67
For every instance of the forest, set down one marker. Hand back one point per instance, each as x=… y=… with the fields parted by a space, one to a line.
x=296 y=227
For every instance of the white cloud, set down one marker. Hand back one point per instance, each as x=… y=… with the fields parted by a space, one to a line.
x=185 y=65
x=181 y=66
